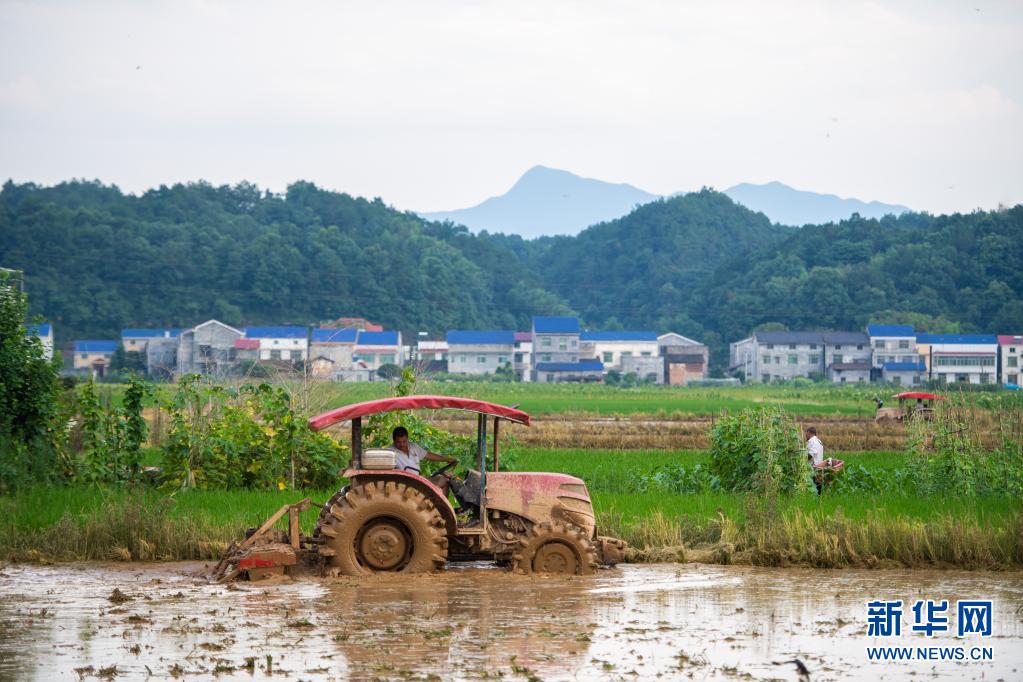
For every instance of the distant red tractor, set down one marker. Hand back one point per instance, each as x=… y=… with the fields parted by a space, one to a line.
x=386 y=520
x=912 y=404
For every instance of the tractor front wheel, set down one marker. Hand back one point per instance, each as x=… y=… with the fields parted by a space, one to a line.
x=554 y=549
x=384 y=526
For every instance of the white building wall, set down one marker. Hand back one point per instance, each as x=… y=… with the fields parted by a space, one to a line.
x=975 y=363
x=1011 y=361
x=893 y=349
x=611 y=352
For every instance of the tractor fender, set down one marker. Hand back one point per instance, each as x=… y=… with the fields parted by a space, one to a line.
x=420 y=483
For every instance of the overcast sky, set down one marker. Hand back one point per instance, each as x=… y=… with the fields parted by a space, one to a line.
x=438 y=105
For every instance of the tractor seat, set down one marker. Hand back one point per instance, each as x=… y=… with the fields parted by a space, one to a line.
x=468 y=491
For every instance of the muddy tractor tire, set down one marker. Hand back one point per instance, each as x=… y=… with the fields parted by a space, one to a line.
x=554 y=549
x=321 y=520
x=380 y=527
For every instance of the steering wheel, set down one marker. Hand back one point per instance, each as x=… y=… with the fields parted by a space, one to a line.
x=445 y=469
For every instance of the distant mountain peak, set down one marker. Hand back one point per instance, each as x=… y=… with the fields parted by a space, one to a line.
x=789 y=206
x=547 y=201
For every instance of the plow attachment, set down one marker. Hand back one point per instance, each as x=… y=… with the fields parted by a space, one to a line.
x=266 y=551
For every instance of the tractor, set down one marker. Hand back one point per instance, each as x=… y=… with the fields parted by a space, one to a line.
x=922 y=408
x=386 y=520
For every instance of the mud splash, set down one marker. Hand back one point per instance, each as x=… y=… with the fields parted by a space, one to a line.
x=634 y=622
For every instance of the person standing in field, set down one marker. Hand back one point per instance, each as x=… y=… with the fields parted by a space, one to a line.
x=815 y=455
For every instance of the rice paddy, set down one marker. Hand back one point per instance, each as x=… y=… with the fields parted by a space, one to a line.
x=643 y=454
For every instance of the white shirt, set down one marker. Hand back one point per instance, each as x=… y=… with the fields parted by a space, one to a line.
x=815 y=449
x=410 y=461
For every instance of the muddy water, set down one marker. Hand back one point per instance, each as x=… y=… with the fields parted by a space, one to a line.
x=633 y=622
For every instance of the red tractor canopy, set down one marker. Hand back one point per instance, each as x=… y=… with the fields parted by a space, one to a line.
x=357 y=411
x=416 y=402
x=916 y=395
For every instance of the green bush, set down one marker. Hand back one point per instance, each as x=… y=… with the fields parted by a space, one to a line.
x=223 y=438
x=947 y=458
x=110 y=439
x=759 y=451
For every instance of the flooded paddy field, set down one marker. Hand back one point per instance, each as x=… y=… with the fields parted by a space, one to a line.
x=663 y=621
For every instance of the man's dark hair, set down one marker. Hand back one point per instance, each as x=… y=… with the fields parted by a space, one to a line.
x=811 y=430
x=399 y=431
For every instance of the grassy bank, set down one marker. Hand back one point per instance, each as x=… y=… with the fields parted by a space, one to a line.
x=61 y=524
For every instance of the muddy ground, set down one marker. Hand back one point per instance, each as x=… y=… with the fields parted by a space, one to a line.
x=634 y=622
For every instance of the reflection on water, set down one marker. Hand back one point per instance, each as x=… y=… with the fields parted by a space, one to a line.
x=634 y=622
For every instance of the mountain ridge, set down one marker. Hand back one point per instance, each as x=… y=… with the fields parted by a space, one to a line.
x=547 y=201
x=570 y=204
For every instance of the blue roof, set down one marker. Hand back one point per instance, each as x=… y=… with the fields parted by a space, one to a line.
x=956 y=338
x=378 y=338
x=96 y=346
x=905 y=366
x=276 y=332
x=149 y=333
x=346 y=335
x=581 y=366
x=42 y=329
x=459 y=337
x=618 y=336
x=890 y=330
x=556 y=325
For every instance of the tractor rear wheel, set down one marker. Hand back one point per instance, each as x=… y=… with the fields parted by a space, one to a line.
x=325 y=509
x=383 y=526
x=556 y=549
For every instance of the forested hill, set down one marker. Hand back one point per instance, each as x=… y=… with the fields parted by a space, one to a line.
x=97 y=260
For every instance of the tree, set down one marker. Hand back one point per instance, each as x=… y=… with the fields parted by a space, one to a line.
x=130 y=361
x=29 y=392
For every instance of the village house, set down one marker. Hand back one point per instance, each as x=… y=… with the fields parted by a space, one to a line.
x=161 y=356
x=951 y=358
x=209 y=349
x=332 y=350
x=847 y=357
x=782 y=355
x=555 y=339
x=93 y=356
x=685 y=360
x=136 y=340
x=1010 y=350
x=479 y=352
x=246 y=350
x=373 y=350
x=432 y=356
x=280 y=343
x=612 y=347
x=895 y=359
x=646 y=367
x=766 y=356
x=563 y=372
x=432 y=350
x=43 y=330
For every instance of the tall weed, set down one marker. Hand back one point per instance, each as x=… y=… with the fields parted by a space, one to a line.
x=759 y=451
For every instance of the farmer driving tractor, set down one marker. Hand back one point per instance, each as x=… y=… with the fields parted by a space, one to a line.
x=409 y=455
